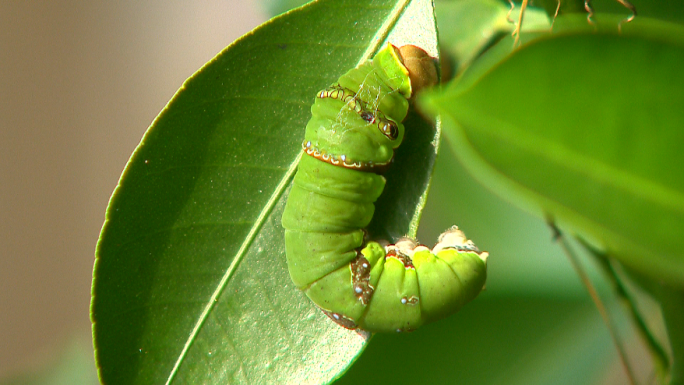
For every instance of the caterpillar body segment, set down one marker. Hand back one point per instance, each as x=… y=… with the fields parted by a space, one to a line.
x=350 y=139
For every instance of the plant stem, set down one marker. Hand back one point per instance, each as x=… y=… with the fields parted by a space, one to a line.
x=658 y=354
x=597 y=300
x=672 y=302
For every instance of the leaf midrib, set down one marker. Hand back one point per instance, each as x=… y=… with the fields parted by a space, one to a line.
x=256 y=227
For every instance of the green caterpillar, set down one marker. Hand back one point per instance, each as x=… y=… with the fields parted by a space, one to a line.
x=351 y=137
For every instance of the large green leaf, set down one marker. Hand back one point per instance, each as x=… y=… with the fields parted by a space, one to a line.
x=585 y=127
x=190 y=282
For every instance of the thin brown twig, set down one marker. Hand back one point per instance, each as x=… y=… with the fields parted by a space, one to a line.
x=555 y=15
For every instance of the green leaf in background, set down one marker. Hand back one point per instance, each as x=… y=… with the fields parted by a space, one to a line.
x=586 y=128
x=190 y=282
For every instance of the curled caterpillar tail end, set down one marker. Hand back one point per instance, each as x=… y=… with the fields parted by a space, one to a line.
x=418 y=285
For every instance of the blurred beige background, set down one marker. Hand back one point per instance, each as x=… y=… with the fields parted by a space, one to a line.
x=80 y=81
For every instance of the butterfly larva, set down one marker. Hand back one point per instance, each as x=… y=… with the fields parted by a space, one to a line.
x=351 y=137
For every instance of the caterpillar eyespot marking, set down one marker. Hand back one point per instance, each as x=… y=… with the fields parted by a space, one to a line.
x=351 y=137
